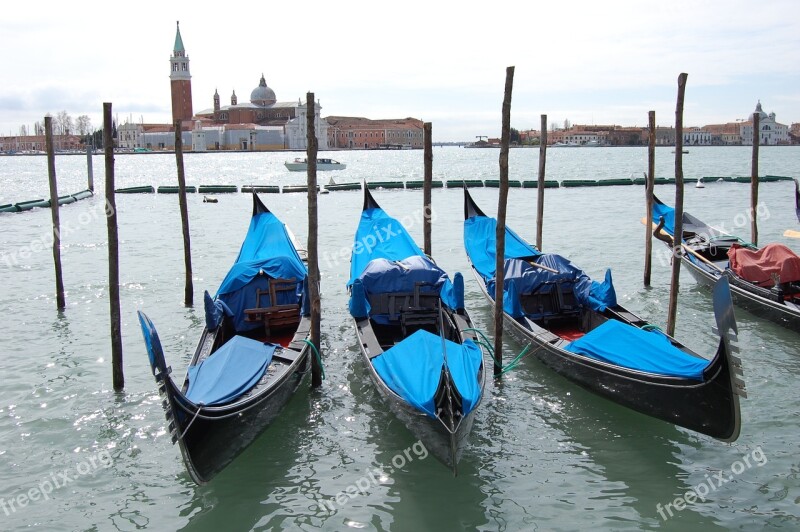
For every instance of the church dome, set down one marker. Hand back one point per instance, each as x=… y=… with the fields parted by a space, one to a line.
x=759 y=110
x=262 y=95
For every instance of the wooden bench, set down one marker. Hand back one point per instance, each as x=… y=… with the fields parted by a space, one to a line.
x=274 y=316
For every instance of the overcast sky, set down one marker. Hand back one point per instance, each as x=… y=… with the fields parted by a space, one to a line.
x=589 y=62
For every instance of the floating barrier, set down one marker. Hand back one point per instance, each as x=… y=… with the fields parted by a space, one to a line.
x=535 y=184
x=495 y=183
x=269 y=189
x=385 y=184
x=287 y=189
x=344 y=186
x=579 y=183
x=461 y=183
x=614 y=182
x=28 y=205
x=171 y=189
x=411 y=185
x=218 y=188
x=148 y=189
x=83 y=194
x=714 y=179
x=41 y=202
x=782 y=177
x=64 y=200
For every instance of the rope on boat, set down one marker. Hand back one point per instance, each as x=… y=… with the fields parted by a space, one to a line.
x=651 y=327
x=197 y=413
x=316 y=353
x=490 y=349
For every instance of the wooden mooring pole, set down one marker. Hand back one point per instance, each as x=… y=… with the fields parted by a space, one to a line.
x=540 y=184
x=426 y=187
x=500 y=234
x=51 y=174
x=650 y=180
x=313 y=257
x=113 y=252
x=188 y=292
x=89 y=169
x=754 y=180
x=672 y=311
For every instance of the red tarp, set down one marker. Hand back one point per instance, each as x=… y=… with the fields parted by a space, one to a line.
x=758 y=266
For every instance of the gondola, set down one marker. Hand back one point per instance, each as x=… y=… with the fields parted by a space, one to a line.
x=577 y=329
x=705 y=253
x=413 y=332
x=252 y=353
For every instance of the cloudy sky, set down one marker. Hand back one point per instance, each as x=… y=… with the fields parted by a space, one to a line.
x=437 y=60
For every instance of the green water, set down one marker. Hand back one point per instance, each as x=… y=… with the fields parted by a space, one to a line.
x=543 y=453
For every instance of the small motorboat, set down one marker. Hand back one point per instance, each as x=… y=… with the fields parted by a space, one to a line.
x=300 y=164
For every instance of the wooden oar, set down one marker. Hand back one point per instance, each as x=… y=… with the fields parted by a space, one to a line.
x=542 y=266
x=791 y=233
x=663 y=234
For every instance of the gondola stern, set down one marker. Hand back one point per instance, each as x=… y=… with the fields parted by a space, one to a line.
x=727 y=331
x=369 y=201
x=470 y=207
x=258 y=205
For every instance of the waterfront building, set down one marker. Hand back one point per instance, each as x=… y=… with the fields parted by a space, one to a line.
x=771 y=132
x=180 y=80
x=260 y=124
x=725 y=134
x=36 y=143
x=696 y=136
x=358 y=132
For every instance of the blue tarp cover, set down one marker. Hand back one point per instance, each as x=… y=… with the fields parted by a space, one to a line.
x=523 y=278
x=229 y=372
x=385 y=259
x=630 y=347
x=384 y=276
x=659 y=210
x=413 y=368
x=480 y=242
x=267 y=250
x=379 y=236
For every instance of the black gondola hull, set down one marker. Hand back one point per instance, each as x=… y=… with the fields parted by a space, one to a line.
x=709 y=407
x=445 y=445
x=211 y=438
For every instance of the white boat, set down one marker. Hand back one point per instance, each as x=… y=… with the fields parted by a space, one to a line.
x=323 y=165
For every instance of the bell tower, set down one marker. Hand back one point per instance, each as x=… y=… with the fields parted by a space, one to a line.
x=180 y=80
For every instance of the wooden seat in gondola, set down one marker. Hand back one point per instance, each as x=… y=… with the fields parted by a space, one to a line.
x=275 y=316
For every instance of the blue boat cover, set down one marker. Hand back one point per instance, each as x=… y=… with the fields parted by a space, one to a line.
x=386 y=259
x=216 y=310
x=229 y=372
x=691 y=225
x=630 y=347
x=480 y=242
x=267 y=252
x=413 y=369
x=521 y=277
x=379 y=236
x=659 y=210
